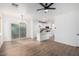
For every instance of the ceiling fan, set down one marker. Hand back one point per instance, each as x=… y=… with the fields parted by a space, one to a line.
x=46 y=6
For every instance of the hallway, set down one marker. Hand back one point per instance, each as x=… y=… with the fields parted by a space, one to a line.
x=34 y=48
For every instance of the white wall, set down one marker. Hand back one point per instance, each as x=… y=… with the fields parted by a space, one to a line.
x=12 y=14
x=77 y=25
x=66 y=23
x=1 y=41
x=1 y=30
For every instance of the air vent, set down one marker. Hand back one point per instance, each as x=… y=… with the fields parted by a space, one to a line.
x=42 y=22
x=14 y=4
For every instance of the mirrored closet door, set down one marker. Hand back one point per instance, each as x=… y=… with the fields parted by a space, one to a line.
x=18 y=31
x=22 y=30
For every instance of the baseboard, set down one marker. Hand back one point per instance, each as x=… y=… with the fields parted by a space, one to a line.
x=29 y=38
x=77 y=46
x=65 y=43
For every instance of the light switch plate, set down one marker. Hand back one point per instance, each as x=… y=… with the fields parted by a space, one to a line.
x=77 y=34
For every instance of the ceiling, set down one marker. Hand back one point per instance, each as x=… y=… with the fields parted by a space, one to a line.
x=29 y=10
x=39 y=15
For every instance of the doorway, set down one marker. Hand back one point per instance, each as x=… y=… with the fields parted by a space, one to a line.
x=18 y=31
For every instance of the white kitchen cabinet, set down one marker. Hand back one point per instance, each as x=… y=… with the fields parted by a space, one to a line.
x=44 y=36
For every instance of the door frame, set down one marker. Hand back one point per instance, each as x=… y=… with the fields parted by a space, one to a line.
x=1 y=30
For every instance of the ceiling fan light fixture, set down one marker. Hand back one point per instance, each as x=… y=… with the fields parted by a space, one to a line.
x=46 y=10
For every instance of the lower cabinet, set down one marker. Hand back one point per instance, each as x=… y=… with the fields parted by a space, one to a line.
x=44 y=36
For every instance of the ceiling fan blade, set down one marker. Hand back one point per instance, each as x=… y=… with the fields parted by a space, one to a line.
x=51 y=8
x=50 y=4
x=42 y=4
x=40 y=9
